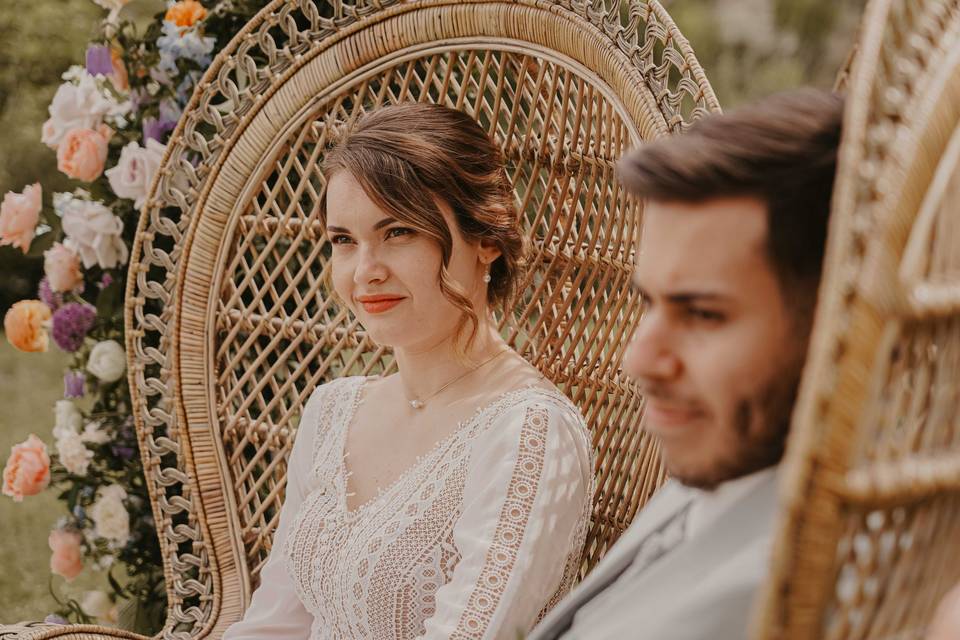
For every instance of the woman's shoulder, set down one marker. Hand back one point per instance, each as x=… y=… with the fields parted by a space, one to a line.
x=541 y=406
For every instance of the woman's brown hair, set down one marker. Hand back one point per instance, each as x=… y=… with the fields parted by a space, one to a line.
x=410 y=157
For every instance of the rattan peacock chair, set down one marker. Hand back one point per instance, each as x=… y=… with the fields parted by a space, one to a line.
x=869 y=537
x=228 y=326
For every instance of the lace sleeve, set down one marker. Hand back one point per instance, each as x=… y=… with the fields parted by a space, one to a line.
x=275 y=610
x=526 y=504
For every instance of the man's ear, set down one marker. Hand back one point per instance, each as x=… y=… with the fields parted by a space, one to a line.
x=488 y=251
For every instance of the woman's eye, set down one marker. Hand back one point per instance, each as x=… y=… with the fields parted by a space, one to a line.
x=706 y=315
x=340 y=239
x=395 y=232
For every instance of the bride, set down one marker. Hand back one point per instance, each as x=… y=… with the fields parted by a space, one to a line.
x=449 y=500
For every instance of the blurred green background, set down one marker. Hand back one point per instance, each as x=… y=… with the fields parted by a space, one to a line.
x=748 y=48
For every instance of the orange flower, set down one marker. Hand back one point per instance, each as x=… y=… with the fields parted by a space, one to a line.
x=119 y=77
x=24 y=325
x=28 y=469
x=186 y=13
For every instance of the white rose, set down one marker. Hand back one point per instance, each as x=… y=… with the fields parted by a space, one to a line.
x=96 y=604
x=74 y=456
x=68 y=418
x=110 y=517
x=107 y=361
x=92 y=433
x=80 y=105
x=132 y=176
x=93 y=232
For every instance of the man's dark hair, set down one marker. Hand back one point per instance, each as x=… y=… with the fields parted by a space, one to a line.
x=782 y=150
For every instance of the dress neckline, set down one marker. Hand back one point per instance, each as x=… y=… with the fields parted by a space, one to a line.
x=343 y=430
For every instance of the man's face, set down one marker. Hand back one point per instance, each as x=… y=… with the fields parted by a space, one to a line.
x=716 y=352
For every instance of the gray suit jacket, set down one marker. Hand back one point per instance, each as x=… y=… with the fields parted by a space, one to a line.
x=661 y=582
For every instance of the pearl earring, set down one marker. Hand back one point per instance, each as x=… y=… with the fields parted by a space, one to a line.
x=486 y=276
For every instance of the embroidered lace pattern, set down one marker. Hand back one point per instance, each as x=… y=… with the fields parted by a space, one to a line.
x=510 y=528
x=374 y=571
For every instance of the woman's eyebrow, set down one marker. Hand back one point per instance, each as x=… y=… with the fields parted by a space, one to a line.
x=380 y=225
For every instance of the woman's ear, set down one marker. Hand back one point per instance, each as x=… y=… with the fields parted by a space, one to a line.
x=488 y=251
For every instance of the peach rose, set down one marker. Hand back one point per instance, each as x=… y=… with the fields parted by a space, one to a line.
x=18 y=217
x=62 y=268
x=28 y=469
x=186 y=13
x=83 y=152
x=24 y=325
x=65 y=560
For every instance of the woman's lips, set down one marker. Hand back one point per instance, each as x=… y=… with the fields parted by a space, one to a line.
x=378 y=304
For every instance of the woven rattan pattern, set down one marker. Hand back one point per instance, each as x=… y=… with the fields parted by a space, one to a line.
x=241 y=81
x=869 y=544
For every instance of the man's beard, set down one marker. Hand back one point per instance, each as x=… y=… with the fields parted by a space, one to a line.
x=761 y=424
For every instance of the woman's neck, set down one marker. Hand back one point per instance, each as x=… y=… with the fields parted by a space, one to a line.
x=423 y=371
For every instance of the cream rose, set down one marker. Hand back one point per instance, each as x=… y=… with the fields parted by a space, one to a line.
x=61 y=265
x=110 y=517
x=67 y=419
x=107 y=361
x=96 y=604
x=73 y=454
x=94 y=434
x=19 y=213
x=92 y=231
x=134 y=173
x=80 y=105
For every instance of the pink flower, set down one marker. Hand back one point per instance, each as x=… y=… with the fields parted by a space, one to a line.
x=83 y=152
x=25 y=325
x=65 y=560
x=18 y=217
x=62 y=266
x=28 y=469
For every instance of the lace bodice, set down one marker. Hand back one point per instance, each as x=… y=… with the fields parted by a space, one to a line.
x=477 y=539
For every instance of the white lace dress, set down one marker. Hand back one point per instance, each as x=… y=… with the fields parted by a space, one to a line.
x=477 y=539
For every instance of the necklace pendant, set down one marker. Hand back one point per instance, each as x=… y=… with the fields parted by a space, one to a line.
x=417 y=404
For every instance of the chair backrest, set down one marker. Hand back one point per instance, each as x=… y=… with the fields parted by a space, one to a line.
x=228 y=326
x=869 y=539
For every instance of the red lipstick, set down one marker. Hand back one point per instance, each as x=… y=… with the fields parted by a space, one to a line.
x=379 y=303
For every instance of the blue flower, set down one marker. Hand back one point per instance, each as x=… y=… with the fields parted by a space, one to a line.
x=188 y=44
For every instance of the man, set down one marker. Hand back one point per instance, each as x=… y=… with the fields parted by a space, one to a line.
x=728 y=266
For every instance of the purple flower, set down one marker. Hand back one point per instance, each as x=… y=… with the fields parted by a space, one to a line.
x=48 y=296
x=71 y=322
x=124 y=453
x=98 y=60
x=156 y=129
x=73 y=382
x=105 y=281
x=55 y=619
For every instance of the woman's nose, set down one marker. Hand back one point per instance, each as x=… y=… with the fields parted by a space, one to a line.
x=369 y=267
x=651 y=354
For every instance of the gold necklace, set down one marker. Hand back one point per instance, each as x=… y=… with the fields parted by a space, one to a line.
x=420 y=403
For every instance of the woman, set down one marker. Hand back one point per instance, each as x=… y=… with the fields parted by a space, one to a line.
x=449 y=500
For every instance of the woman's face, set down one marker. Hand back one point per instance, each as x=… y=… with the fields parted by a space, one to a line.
x=388 y=273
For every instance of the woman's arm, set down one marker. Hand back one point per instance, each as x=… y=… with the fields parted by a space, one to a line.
x=526 y=504
x=275 y=610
